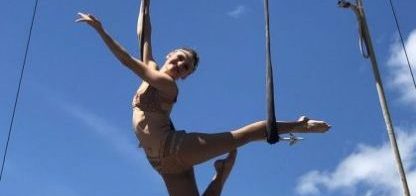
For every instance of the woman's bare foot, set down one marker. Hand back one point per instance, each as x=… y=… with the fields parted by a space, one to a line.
x=223 y=167
x=311 y=126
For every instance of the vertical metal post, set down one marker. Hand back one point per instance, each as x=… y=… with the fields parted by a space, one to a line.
x=359 y=10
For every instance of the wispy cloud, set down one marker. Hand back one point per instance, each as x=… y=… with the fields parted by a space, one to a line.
x=101 y=127
x=238 y=11
x=370 y=170
x=115 y=136
x=401 y=78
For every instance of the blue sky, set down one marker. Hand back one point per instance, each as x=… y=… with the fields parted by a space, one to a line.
x=73 y=133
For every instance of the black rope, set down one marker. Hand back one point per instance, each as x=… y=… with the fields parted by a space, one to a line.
x=271 y=128
x=18 y=89
x=402 y=42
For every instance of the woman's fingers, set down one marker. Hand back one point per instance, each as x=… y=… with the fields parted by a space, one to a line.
x=93 y=18
x=82 y=17
x=86 y=18
x=80 y=20
x=89 y=19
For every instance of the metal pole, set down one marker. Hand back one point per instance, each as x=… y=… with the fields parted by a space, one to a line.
x=359 y=10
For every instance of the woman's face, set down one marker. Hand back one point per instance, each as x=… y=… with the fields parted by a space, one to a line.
x=179 y=64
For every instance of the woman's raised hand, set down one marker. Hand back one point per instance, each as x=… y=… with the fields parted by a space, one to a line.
x=89 y=19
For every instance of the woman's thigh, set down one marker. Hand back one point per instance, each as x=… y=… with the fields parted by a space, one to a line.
x=200 y=147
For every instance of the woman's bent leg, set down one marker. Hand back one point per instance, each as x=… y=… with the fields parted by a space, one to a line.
x=181 y=184
x=223 y=168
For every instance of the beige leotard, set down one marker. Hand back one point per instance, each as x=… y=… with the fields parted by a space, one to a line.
x=151 y=116
x=152 y=125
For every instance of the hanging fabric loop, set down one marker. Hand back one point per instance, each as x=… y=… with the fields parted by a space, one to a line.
x=271 y=128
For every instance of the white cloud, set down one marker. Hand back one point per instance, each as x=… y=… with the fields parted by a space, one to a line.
x=370 y=170
x=114 y=136
x=237 y=11
x=118 y=138
x=100 y=126
x=401 y=78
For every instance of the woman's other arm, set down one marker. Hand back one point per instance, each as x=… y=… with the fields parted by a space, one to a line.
x=155 y=78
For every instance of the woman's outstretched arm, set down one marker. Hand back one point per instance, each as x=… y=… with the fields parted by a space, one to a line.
x=155 y=78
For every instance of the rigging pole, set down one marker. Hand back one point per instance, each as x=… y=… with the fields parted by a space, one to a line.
x=365 y=39
x=16 y=100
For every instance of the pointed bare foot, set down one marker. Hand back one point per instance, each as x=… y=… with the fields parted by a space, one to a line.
x=312 y=126
x=223 y=167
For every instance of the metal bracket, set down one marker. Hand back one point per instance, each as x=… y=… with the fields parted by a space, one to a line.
x=292 y=139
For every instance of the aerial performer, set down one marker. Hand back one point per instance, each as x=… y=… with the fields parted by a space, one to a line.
x=173 y=153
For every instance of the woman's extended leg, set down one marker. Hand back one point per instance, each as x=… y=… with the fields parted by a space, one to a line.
x=200 y=147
